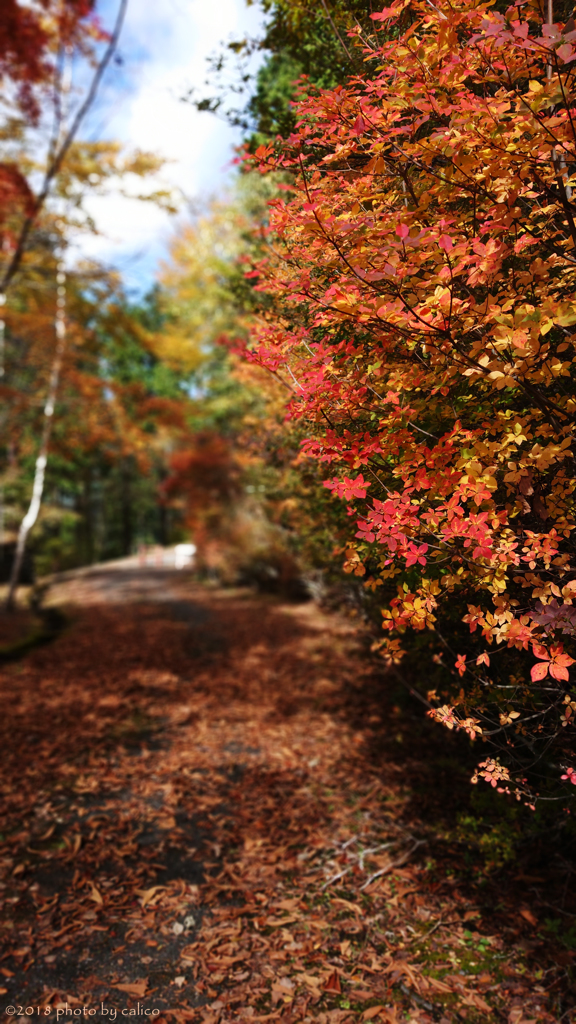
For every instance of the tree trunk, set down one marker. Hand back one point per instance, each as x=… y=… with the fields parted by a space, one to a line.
x=42 y=459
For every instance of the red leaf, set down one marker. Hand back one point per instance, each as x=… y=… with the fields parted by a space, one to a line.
x=460 y=664
x=384 y=14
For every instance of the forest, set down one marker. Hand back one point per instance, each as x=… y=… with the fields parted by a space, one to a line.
x=325 y=772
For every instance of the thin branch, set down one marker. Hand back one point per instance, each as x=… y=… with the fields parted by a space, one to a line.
x=393 y=864
x=336 y=32
x=439 y=924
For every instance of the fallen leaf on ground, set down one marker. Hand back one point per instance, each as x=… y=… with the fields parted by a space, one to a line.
x=137 y=988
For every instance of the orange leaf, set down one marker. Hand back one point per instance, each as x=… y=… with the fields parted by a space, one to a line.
x=558 y=671
x=539 y=671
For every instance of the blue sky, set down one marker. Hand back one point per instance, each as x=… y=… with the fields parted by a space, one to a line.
x=164 y=47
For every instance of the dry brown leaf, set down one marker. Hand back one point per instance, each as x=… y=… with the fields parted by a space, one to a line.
x=347 y=903
x=95 y=896
x=76 y=844
x=529 y=916
x=225 y=961
x=332 y=983
x=473 y=999
x=516 y=1016
x=137 y=988
x=435 y=985
x=484 y=978
x=407 y=892
x=149 y=894
x=402 y=967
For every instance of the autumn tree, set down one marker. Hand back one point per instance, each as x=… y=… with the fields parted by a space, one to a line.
x=39 y=216
x=227 y=478
x=33 y=41
x=422 y=266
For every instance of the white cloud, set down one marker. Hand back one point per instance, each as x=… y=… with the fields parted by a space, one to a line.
x=164 y=45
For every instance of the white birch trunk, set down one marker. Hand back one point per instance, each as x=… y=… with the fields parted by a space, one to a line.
x=42 y=458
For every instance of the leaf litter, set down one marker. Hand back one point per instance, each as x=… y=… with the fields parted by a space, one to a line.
x=193 y=823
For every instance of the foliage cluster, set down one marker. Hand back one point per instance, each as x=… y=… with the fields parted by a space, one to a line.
x=225 y=480
x=421 y=279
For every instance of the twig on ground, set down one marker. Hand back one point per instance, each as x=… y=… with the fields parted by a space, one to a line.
x=372 y=850
x=359 y=858
x=336 y=878
x=393 y=864
x=439 y=924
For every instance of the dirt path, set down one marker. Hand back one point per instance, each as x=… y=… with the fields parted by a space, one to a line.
x=210 y=814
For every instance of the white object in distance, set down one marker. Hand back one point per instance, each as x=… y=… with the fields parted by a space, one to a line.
x=184 y=555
